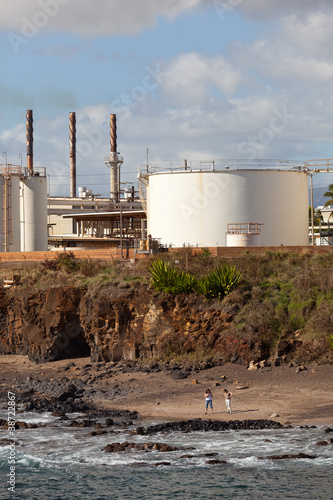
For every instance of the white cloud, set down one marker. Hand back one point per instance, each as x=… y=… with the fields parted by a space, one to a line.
x=190 y=77
x=296 y=52
x=263 y=9
x=87 y=18
x=312 y=35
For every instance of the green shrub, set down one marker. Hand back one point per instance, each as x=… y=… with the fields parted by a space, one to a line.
x=165 y=277
x=219 y=283
x=65 y=261
x=330 y=341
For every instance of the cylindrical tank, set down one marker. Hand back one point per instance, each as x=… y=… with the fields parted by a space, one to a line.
x=194 y=207
x=242 y=240
x=10 y=213
x=33 y=214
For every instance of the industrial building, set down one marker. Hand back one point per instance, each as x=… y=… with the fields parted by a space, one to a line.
x=221 y=203
x=24 y=202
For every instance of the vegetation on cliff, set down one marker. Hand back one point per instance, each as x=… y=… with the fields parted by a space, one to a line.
x=281 y=296
x=165 y=277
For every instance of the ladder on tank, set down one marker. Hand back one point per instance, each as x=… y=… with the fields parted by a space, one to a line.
x=7 y=212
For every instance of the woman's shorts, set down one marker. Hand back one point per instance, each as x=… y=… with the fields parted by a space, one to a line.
x=209 y=403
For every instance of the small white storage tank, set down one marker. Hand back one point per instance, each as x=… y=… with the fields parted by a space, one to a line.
x=242 y=240
x=189 y=207
x=33 y=214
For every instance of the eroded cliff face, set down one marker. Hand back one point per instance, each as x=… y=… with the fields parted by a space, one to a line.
x=137 y=324
x=44 y=325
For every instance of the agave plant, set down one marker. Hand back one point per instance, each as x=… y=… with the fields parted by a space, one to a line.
x=165 y=277
x=330 y=341
x=219 y=283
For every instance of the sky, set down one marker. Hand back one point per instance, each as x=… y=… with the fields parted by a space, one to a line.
x=187 y=79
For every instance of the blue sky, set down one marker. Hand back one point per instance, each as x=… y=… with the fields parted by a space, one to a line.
x=195 y=79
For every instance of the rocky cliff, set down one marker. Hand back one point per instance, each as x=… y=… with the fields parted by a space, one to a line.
x=66 y=322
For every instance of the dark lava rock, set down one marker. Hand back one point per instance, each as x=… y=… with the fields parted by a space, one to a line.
x=158 y=464
x=215 y=462
x=54 y=405
x=70 y=365
x=328 y=429
x=7 y=441
x=82 y=423
x=139 y=465
x=127 y=446
x=97 y=433
x=179 y=375
x=18 y=425
x=152 y=368
x=322 y=443
x=285 y=457
x=68 y=406
x=70 y=392
x=60 y=414
x=211 y=425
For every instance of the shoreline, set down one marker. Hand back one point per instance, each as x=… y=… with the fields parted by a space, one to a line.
x=273 y=393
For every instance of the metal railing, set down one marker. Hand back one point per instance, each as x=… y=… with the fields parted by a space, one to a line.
x=9 y=169
x=307 y=166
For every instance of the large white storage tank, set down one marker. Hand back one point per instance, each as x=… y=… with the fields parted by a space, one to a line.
x=33 y=203
x=189 y=207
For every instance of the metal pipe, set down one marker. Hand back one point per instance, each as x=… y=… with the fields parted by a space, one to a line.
x=72 y=153
x=30 y=139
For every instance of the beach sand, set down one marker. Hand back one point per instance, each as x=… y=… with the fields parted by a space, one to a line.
x=275 y=393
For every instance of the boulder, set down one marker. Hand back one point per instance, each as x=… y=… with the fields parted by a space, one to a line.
x=253 y=366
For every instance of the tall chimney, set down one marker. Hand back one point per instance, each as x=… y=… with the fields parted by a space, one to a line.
x=113 y=159
x=113 y=133
x=30 y=139
x=72 y=153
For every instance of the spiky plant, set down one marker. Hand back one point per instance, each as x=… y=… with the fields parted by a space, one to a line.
x=165 y=277
x=330 y=341
x=219 y=282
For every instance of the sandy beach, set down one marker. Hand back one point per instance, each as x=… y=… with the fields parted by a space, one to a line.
x=278 y=393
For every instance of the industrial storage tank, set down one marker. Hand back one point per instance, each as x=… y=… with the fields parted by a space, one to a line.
x=33 y=208
x=196 y=206
x=10 y=207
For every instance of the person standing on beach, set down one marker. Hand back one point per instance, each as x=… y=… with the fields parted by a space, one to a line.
x=209 y=400
x=228 y=396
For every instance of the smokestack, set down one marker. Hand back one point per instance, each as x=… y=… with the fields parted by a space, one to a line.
x=30 y=139
x=72 y=153
x=113 y=133
x=113 y=159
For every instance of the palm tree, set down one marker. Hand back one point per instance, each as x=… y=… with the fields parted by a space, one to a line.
x=329 y=194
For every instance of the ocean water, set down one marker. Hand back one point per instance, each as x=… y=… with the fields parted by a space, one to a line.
x=58 y=462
